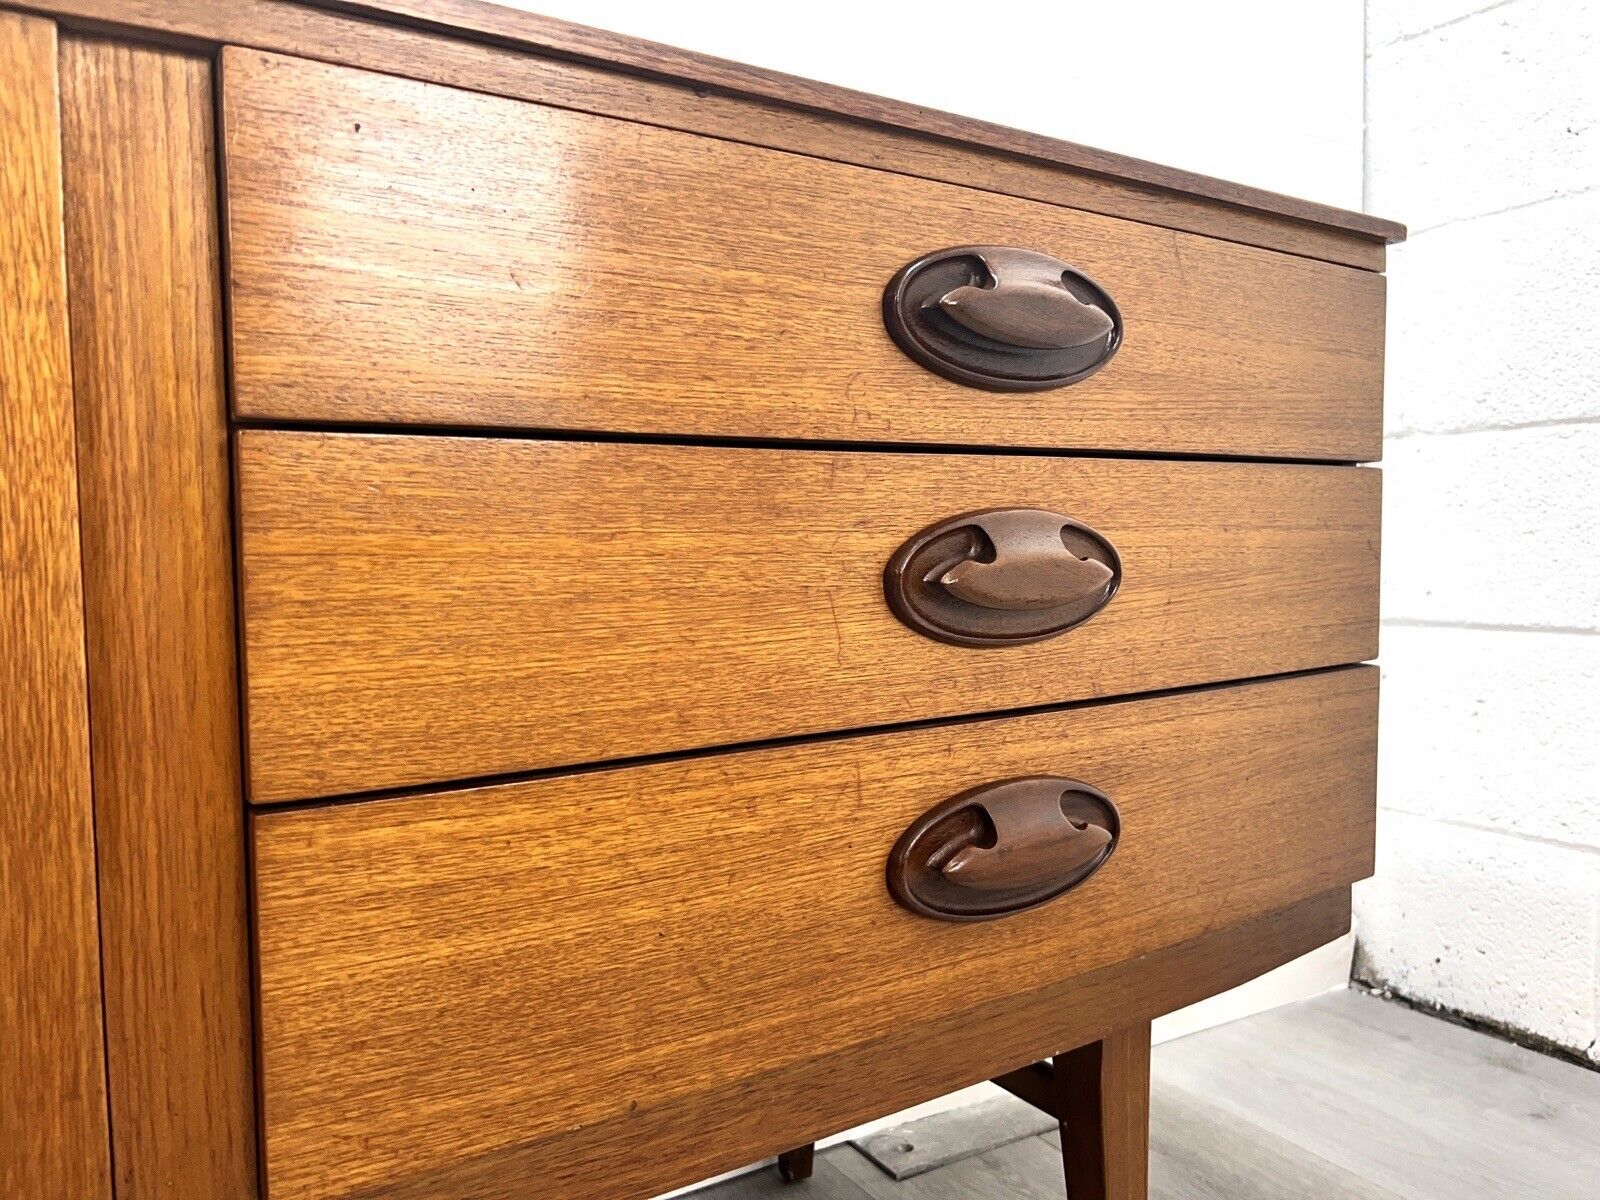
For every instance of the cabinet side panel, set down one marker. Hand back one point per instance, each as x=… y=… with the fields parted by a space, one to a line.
x=53 y=1140
x=144 y=262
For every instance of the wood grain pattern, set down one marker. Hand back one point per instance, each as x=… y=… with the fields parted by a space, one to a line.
x=53 y=1140
x=444 y=57
x=1103 y=1097
x=440 y=975
x=143 y=257
x=1413 y=1104
x=545 y=33
x=896 y=1070
x=423 y=609
x=596 y=274
x=797 y=1164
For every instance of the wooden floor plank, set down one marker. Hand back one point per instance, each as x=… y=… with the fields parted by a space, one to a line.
x=827 y=1182
x=905 y=1151
x=1345 y=1097
x=1198 y=1152
x=1025 y=1170
x=1479 y=1070
x=1406 y=1115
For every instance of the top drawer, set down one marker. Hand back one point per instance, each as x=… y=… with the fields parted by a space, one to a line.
x=403 y=252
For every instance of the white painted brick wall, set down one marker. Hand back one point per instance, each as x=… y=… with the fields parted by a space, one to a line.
x=1513 y=296
x=1494 y=527
x=1483 y=923
x=1484 y=113
x=1497 y=732
x=1389 y=22
x=1483 y=134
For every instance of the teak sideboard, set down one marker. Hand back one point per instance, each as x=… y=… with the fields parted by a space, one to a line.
x=579 y=615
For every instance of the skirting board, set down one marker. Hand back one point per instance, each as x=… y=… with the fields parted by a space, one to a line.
x=1325 y=969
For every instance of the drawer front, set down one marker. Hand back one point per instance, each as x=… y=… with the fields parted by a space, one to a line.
x=424 y=609
x=405 y=252
x=702 y=925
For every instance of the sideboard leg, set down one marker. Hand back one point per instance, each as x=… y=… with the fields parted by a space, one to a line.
x=795 y=1165
x=1102 y=1094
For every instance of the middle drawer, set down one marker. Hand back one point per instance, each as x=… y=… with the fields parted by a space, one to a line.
x=423 y=609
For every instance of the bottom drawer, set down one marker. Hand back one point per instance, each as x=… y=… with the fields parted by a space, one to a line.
x=610 y=982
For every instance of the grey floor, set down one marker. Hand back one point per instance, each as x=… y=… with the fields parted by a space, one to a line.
x=1338 y=1098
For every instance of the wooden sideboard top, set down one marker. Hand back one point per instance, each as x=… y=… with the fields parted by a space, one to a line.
x=489 y=48
x=547 y=35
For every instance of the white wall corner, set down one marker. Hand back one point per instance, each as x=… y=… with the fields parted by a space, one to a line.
x=1483 y=134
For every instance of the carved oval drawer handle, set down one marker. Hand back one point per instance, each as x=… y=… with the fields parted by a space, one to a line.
x=1001 y=318
x=1003 y=848
x=1001 y=577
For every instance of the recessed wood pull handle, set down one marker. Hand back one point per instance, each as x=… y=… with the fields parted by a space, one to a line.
x=1001 y=577
x=1001 y=318
x=1003 y=848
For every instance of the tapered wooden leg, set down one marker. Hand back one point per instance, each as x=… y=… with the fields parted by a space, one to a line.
x=795 y=1165
x=1102 y=1095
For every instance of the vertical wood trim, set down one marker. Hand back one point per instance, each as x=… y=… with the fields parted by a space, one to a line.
x=144 y=272
x=53 y=1143
x=1103 y=1103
